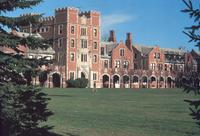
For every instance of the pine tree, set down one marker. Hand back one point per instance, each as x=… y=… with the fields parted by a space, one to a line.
x=22 y=106
x=192 y=84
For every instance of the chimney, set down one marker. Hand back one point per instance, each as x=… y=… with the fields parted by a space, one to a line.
x=112 y=37
x=129 y=41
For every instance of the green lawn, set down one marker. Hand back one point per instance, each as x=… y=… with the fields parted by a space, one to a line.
x=121 y=112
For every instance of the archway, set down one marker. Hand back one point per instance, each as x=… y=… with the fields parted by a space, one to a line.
x=106 y=81
x=126 y=80
x=144 y=81
x=56 y=80
x=83 y=75
x=162 y=82
x=135 y=79
x=169 y=82
x=116 y=81
x=135 y=82
x=153 y=83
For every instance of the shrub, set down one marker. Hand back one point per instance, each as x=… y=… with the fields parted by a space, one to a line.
x=77 y=83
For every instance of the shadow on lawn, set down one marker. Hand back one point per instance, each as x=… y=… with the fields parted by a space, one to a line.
x=70 y=134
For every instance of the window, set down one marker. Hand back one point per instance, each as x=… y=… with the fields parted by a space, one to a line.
x=60 y=29
x=121 y=52
x=83 y=57
x=95 y=32
x=156 y=55
x=46 y=29
x=165 y=67
x=117 y=64
x=153 y=66
x=72 y=30
x=60 y=42
x=72 y=56
x=83 y=31
x=25 y=30
x=102 y=50
x=95 y=58
x=42 y=30
x=125 y=64
x=135 y=55
x=171 y=67
x=160 y=66
x=83 y=43
x=95 y=45
x=135 y=66
x=105 y=63
x=71 y=75
x=94 y=76
x=72 y=43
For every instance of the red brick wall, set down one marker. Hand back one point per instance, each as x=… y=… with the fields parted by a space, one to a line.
x=128 y=55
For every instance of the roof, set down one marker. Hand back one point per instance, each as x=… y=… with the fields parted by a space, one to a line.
x=145 y=50
x=109 y=46
x=42 y=51
x=22 y=34
x=173 y=51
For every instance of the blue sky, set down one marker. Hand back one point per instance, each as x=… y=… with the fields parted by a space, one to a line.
x=151 y=22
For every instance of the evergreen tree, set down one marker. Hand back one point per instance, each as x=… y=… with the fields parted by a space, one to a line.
x=22 y=106
x=192 y=83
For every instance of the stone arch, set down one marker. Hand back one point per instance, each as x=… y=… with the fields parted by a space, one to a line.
x=126 y=80
x=162 y=82
x=56 y=79
x=135 y=81
x=105 y=81
x=153 y=81
x=169 y=82
x=144 y=81
x=116 y=81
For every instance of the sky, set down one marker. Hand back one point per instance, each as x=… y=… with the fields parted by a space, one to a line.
x=151 y=22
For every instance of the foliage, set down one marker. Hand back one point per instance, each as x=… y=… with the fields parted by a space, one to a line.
x=22 y=106
x=43 y=77
x=192 y=82
x=77 y=83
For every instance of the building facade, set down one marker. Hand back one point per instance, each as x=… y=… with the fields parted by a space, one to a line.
x=79 y=52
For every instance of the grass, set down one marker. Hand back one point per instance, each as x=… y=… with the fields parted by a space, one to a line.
x=121 y=112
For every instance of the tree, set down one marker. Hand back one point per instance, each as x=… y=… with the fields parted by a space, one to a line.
x=192 y=84
x=22 y=106
x=42 y=77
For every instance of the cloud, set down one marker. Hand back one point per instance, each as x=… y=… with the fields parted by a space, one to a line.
x=108 y=21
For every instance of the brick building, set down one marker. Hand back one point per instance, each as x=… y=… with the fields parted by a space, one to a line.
x=79 y=52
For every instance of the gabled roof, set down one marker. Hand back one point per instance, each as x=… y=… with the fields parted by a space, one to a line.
x=109 y=46
x=145 y=50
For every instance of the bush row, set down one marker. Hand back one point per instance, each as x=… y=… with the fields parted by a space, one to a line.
x=77 y=83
